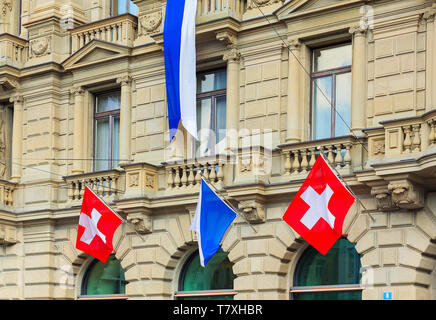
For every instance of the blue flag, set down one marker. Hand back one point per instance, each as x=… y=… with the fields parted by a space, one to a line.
x=180 y=65
x=211 y=221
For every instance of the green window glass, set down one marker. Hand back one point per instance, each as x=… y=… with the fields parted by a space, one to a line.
x=335 y=276
x=104 y=278
x=215 y=281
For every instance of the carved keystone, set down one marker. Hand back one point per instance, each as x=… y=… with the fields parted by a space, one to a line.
x=141 y=221
x=253 y=211
x=406 y=195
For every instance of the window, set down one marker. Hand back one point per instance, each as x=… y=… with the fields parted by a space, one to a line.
x=107 y=131
x=333 y=276
x=104 y=279
x=215 y=281
x=124 y=6
x=211 y=112
x=331 y=83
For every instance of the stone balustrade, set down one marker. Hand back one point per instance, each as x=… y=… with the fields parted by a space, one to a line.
x=106 y=184
x=402 y=137
x=300 y=157
x=120 y=30
x=207 y=10
x=187 y=174
x=13 y=50
x=6 y=193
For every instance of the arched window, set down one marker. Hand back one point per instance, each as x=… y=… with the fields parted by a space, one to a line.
x=333 y=276
x=215 y=281
x=104 y=280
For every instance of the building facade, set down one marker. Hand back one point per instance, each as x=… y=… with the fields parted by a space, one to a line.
x=83 y=102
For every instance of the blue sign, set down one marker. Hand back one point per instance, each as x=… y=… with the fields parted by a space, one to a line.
x=387 y=295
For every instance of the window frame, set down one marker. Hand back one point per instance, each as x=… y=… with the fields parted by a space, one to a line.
x=322 y=288
x=114 y=8
x=101 y=116
x=180 y=294
x=213 y=96
x=83 y=287
x=314 y=75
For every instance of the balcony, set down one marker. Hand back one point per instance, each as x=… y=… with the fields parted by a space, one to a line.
x=208 y=10
x=13 y=51
x=120 y=30
x=109 y=185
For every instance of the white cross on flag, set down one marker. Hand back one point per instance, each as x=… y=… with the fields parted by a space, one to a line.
x=319 y=208
x=97 y=225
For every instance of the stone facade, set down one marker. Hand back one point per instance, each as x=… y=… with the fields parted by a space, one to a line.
x=55 y=58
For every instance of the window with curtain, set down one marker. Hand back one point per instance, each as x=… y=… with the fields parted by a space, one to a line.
x=104 y=279
x=107 y=131
x=335 y=276
x=215 y=281
x=211 y=112
x=124 y=6
x=331 y=90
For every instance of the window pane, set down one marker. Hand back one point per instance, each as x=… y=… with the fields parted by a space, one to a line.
x=220 y=105
x=211 y=81
x=105 y=278
x=341 y=265
x=115 y=141
x=331 y=58
x=133 y=8
x=102 y=152
x=204 y=126
x=343 y=295
x=321 y=118
x=343 y=104
x=217 y=274
x=122 y=6
x=108 y=101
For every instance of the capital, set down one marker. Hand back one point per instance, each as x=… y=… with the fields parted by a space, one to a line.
x=232 y=55
x=358 y=31
x=124 y=80
x=430 y=14
x=228 y=37
x=77 y=90
x=16 y=99
x=294 y=44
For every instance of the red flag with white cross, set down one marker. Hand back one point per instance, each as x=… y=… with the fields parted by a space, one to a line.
x=318 y=211
x=97 y=225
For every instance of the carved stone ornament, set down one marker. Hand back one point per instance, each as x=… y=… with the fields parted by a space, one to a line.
x=253 y=211
x=40 y=47
x=8 y=235
x=383 y=198
x=406 y=195
x=150 y=23
x=141 y=222
x=261 y=3
x=5 y=5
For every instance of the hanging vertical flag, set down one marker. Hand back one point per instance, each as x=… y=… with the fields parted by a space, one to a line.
x=319 y=208
x=211 y=220
x=180 y=65
x=97 y=225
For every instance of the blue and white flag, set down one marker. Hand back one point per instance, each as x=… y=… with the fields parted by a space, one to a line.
x=180 y=65
x=211 y=221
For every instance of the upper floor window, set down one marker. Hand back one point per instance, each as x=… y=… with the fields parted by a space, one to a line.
x=211 y=112
x=215 y=281
x=107 y=131
x=331 y=90
x=124 y=6
x=333 y=276
x=104 y=279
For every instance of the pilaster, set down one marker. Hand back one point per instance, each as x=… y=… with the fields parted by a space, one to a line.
x=293 y=107
x=125 y=118
x=79 y=118
x=17 y=136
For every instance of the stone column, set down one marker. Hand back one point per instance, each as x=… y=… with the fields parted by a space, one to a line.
x=79 y=132
x=293 y=121
x=125 y=118
x=359 y=80
x=232 y=56
x=17 y=137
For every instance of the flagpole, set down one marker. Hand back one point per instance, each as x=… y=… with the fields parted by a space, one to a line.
x=345 y=184
x=124 y=221
x=228 y=203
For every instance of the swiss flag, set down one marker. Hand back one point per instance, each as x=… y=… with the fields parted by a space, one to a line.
x=319 y=208
x=97 y=225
